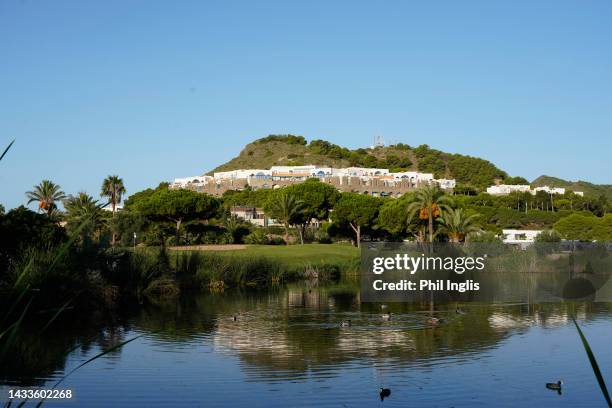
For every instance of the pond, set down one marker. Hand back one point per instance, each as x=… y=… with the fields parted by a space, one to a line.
x=287 y=348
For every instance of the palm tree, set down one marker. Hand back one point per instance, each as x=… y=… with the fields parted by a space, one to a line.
x=232 y=224
x=429 y=203
x=285 y=209
x=46 y=193
x=83 y=213
x=457 y=224
x=113 y=188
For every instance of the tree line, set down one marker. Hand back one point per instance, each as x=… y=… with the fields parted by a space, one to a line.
x=164 y=216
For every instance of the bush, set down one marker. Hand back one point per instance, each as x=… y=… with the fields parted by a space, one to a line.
x=323 y=237
x=257 y=237
x=585 y=227
x=290 y=139
x=225 y=238
x=485 y=237
x=277 y=241
x=164 y=286
x=126 y=223
x=548 y=236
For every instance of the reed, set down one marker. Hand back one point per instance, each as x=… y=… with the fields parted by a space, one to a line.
x=594 y=365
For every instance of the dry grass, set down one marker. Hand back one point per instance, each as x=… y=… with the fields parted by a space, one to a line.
x=208 y=247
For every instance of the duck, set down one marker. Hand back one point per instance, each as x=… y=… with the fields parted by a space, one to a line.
x=345 y=323
x=234 y=318
x=384 y=393
x=386 y=316
x=434 y=321
x=555 y=386
x=459 y=312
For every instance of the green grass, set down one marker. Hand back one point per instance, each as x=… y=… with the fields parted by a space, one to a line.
x=295 y=255
x=263 y=265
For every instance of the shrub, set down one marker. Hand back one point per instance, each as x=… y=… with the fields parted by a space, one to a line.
x=323 y=237
x=257 y=237
x=548 y=236
x=277 y=241
x=485 y=237
x=164 y=286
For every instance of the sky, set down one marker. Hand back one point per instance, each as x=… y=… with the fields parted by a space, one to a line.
x=153 y=90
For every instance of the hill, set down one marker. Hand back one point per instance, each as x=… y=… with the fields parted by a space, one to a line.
x=590 y=189
x=291 y=150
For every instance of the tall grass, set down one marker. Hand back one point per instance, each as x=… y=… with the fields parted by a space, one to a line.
x=594 y=365
x=202 y=270
x=7 y=149
x=209 y=270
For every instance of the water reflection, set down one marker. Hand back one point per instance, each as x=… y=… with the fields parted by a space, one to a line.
x=294 y=335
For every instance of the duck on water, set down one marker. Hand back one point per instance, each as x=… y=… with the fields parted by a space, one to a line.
x=345 y=323
x=555 y=386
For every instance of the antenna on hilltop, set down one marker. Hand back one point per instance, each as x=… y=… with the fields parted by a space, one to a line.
x=378 y=142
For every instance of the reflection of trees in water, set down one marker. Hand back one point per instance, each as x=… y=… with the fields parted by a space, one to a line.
x=283 y=345
x=291 y=333
x=37 y=357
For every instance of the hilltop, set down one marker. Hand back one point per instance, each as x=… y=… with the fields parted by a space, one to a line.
x=590 y=189
x=291 y=150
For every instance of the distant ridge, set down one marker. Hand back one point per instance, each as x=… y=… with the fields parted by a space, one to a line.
x=291 y=150
x=588 y=188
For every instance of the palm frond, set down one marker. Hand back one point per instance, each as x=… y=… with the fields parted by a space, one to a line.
x=7 y=149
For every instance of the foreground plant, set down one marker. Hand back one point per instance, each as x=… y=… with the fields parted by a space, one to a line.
x=594 y=365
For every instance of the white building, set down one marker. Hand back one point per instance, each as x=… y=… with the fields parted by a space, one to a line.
x=187 y=181
x=253 y=215
x=254 y=177
x=520 y=237
x=505 y=189
x=109 y=207
x=241 y=174
x=446 y=184
x=363 y=172
x=322 y=172
x=548 y=190
x=292 y=169
x=413 y=176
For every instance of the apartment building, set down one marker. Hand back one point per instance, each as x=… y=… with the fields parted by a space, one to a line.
x=373 y=181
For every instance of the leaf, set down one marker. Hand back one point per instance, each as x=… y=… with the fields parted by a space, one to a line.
x=57 y=313
x=594 y=365
x=7 y=149
x=97 y=356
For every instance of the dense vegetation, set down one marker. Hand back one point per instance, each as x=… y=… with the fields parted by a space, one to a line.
x=590 y=189
x=90 y=259
x=84 y=254
x=295 y=150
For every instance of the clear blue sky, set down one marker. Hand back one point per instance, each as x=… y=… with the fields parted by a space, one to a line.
x=156 y=90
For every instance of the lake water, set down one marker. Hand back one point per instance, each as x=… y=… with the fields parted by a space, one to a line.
x=286 y=349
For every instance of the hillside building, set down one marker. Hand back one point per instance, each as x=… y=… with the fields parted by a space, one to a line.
x=505 y=189
x=373 y=181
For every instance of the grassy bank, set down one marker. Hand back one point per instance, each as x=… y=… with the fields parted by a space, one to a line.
x=291 y=255
x=164 y=272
